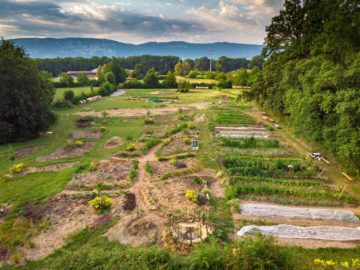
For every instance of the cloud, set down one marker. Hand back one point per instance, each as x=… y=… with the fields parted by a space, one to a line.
x=244 y=18
x=85 y=18
x=134 y=21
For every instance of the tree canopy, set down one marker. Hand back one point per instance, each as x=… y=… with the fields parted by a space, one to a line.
x=311 y=73
x=25 y=96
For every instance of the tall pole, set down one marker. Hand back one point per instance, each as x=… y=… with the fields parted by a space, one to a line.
x=211 y=53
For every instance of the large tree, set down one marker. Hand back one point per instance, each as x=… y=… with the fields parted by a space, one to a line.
x=311 y=73
x=25 y=96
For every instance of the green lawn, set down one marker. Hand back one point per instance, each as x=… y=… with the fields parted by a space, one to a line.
x=59 y=92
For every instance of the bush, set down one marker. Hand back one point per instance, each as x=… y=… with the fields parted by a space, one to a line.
x=197 y=180
x=130 y=147
x=102 y=129
x=69 y=96
x=79 y=143
x=16 y=168
x=101 y=203
x=94 y=165
x=184 y=86
x=133 y=170
x=226 y=84
x=148 y=121
x=191 y=195
x=149 y=168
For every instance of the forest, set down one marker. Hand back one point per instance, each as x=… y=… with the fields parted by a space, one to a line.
x=316 y=44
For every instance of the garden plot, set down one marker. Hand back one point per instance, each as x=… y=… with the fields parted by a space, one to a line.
x=178 y=145
x=66 y=215
x=135 y=231
x=109 y=174
x=232 y=117
x=27 y=151
x=169 y=196
x=68 y=152
x=113 y=142
x=144 y=112
x=327 y=233
x=242 y=132
x=88 y=134
x=173 y=167
x=54 y=167
x=266 y=210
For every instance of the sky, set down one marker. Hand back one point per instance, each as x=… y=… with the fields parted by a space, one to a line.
x=139 y=21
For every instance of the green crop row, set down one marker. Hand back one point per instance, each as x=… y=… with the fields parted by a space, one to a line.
x=249 y=142
x=243 y=189
x=283 y=182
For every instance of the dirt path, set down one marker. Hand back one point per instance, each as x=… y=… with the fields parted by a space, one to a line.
x=332 y=170
x=142 y=184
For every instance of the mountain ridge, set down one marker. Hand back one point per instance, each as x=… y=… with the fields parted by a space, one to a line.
x=88 y=47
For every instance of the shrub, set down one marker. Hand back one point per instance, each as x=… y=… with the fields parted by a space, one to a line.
x=130 y=147
x=94 y=165
x=148 y=121
x=133 y=170
x=197 y=180
x=225 y=84
x=234 y=205
x=16 y=168
x=149 y=168
x=184 y=86
x=201 y=199
x=102 y=129
x=101 y=203
x=191 y=195
x=69 y=96
x=187 y=140
x=79 y=143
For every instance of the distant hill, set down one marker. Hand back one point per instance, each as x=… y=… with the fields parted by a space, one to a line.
x=88 y=47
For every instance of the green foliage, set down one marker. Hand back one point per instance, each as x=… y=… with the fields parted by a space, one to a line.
x=317 y=47
x=83 y=79
x=66 y=79
x=113 y=67
x=131 y=147
x=182 y=68
x=148 y=168
x=249 y=142
x=170 y=80
x=151 y=79
x=69 y=96
x=184 y=86
x=133 y=170
x=16 y=168
x=226 y=84
x=101 y=203
x=110 y=77
x=25 y=96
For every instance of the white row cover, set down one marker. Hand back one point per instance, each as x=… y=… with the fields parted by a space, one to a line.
x=268 y=210
x=329 y=233
x=243 y=135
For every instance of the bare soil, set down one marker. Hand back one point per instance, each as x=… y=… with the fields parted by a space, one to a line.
x=113 y=142
x=175 y=147
x=112 y=173
x=92 y=134
x=65 y=153
x=54 y=167
x=28 y=150
x=134 y=231
x=162 y=167
x=143 y=112
x=67 y=215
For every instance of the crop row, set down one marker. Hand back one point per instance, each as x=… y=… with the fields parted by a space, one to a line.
x=249 y=142
x=257 y=152
x=237 y=190
x=283 y=182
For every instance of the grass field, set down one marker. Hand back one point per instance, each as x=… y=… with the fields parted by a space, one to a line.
x=59 y=92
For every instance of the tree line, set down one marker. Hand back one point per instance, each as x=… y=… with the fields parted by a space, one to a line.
x=311 y=73
x=142 y=64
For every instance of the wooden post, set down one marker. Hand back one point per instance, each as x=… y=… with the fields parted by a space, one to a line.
x=190 y=236
x=342 y=192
